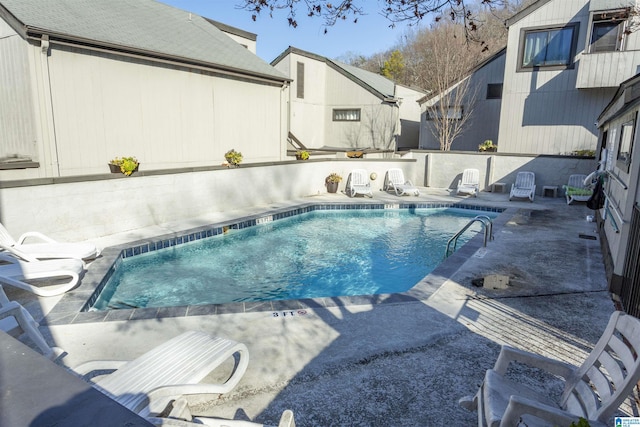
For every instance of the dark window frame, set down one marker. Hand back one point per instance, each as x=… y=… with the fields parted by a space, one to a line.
x=457 y=109
x=573 y=26
x=494 y=90
x=625 y=144
x=619 y=17
x=337 y=111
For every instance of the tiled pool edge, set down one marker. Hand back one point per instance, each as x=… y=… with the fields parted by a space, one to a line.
x=68 y=309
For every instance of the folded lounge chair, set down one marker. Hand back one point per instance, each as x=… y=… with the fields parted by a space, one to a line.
x=394 y=182
x=592 y=391
x=575 y=190
x=358 y=183
x=174 y=369
x=16 y=320
x=470 y=182
x=15 y=272
x=47 y=248
x=524 y=187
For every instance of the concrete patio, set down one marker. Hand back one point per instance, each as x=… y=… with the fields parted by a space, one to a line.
x=402 y=363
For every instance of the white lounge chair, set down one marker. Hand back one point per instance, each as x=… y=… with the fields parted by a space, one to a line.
x=524 y=187
x=394 y=182
x=14 y=272
x=47 y=248
x=470 y=182
x=358 y=183
x=576 y=190
x=286 y=420
x=16 y=320
x=592 y=391
x=174 y=369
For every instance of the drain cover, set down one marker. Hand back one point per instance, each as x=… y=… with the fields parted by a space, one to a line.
x=587 y=236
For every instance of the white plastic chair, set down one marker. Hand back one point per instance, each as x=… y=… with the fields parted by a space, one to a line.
x=46 y=248
x=286 y=420
x=470 y=182
x=148 y=384
x=524 y=187
x=358 y=183
x=15 y=272
x=576 y=190
x=593 y=390
x=16 y=320
x=394 y=182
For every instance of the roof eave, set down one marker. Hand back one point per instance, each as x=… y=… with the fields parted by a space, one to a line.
x=35 y=33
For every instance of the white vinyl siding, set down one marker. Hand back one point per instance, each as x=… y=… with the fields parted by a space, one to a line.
x=167 y=116
x=18 y=138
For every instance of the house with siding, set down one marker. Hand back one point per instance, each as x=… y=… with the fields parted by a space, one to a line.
x=563 y=62
x=619 y=219
x=349 y=108
x=86 y=81
x=482 y=101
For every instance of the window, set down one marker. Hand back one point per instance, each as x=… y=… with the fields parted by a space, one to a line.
x=626 y=144
x=453 y=113
x=607 y=30
x=352 y=115
x=550 y=47
x=494 y=91
x=300 y=80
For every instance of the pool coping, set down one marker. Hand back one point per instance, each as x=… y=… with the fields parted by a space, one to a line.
x=69 y=310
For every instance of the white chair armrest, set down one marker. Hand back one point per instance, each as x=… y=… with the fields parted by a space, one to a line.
x=35 y=235
x=286 y=420
x=511 y=354
x=18 y=254
x=519 y=406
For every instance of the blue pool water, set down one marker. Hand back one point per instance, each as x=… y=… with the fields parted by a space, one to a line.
x=316 y=254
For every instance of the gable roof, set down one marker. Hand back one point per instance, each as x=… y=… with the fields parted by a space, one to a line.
x=142 y=27
x=629 y=93
x=377 y=84
x=526 y=12
x=482 y=64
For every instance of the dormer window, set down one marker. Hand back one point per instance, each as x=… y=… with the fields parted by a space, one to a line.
x=607 y=31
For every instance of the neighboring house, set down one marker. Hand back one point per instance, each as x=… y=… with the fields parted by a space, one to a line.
x=86 y=81
x=620 y=217
x=244 y=38
x=482 y=101
x=563 y=63
x=338 y=106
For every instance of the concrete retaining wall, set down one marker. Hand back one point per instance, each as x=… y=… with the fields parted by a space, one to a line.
x=84 y=208
x=440 y=169
x=99 y=205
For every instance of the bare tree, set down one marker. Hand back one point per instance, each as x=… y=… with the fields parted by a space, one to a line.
x=395 y=11
x=447 y=76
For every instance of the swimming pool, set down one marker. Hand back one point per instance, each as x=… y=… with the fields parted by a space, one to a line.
x=318 y=253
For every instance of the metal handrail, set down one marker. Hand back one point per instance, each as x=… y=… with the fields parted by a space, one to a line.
x=487 y=225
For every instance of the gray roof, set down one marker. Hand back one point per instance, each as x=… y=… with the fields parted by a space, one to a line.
x=378 y=82
x=374 y=83
x=145 y=27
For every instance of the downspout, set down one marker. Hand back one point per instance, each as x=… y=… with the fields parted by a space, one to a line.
x=285 y=124
x=47 y=107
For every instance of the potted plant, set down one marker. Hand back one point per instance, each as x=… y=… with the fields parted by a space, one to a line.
x=124 y=165
x=233 y=157
x=487 y=145
x=331 y=182
x=302 y=155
